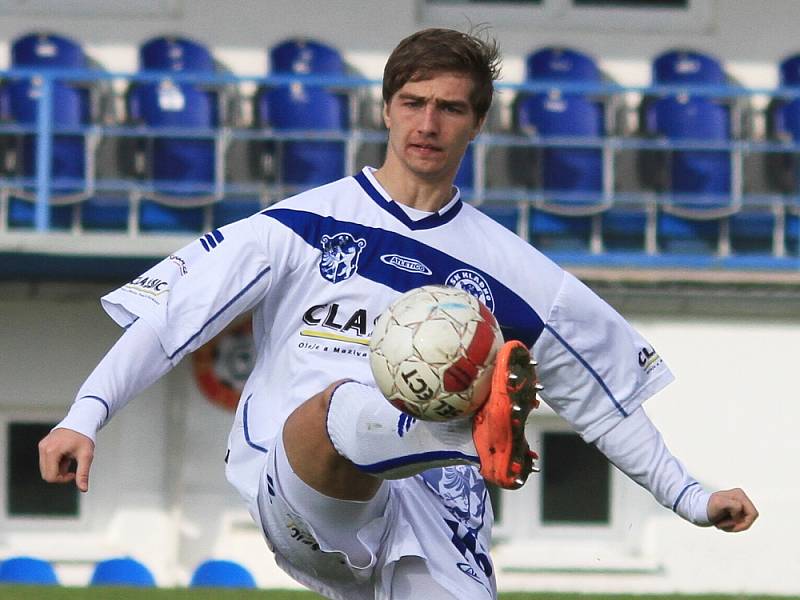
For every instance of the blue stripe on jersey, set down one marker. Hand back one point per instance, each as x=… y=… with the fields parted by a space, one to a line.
x=516 y=317
x=220 y=311
x=100 y=400
x=589 y=368
x=218 y=235
x=428 y=222
x=423 y=457
x=680 y=496
x=205 y=245
x=247 y=429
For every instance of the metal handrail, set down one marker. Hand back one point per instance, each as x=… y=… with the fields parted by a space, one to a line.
x=44 y=129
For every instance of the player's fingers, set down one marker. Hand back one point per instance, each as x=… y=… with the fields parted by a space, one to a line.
x=49 y=461
x=736 y=512
x=82 y=473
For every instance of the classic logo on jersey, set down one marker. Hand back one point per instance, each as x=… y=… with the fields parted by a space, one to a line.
x=334 y=323
x=404 y=263
x=150 y=286
x=474 y=283
x=649 y=359
x=340 y=254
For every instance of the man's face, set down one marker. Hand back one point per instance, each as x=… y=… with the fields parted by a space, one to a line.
x=430 y=123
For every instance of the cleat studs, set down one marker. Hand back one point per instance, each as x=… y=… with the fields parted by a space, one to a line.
x=513 y=376
x=538 y=387
x=533 y=363
x=516 y=407
x=516 y=468
x=519 y=481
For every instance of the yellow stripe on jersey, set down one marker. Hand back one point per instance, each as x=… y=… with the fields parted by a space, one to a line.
x=333 y=336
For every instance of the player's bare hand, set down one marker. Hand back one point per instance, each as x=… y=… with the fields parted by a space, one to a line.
x=731 y=510
x=57 y=451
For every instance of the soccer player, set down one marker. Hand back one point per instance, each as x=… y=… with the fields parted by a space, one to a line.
x=356 y=499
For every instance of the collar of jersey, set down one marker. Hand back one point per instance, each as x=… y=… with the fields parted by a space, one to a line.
x=370 y=185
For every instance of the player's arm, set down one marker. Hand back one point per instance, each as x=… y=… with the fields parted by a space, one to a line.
x=637 y=448
x=135 y=362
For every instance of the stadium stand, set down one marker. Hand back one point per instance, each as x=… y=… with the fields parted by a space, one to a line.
x=124 y=571
x=222 y=573
x=180 y=166
x=563 y=163
x=697 y=183
x=783 y=126
x=27 y=570
x=71 y=108
x=569 y=175
x=301 y=106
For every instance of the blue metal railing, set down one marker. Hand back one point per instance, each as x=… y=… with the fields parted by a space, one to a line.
x=45 y=130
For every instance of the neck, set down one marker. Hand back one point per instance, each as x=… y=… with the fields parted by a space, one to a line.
x=412 y=190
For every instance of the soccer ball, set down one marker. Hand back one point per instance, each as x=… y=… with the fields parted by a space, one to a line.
x=432 y=352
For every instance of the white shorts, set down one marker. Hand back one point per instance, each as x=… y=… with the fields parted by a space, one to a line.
x=426 y=536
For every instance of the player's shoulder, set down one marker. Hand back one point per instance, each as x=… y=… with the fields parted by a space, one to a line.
x=501 y=237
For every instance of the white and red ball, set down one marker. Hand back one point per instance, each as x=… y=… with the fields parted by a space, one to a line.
x=432 y=352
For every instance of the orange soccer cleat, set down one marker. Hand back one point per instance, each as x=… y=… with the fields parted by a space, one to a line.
x=498 y=427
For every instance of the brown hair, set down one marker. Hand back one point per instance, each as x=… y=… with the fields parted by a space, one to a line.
x=423 y=54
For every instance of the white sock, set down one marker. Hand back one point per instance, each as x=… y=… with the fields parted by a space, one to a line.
x=383 y=441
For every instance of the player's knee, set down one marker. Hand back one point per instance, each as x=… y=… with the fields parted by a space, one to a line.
x=321 y=401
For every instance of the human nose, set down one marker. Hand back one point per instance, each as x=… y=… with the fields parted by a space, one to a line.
x=429 y=123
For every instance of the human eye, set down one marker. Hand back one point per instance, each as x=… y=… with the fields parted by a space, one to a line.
x=454 y=109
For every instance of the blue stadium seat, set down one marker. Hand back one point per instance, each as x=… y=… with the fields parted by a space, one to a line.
x=787 y=166
x=702 y=178
x=571 y=177
x=222 y=573
x=300 y=106
x=182 y=169
x=47 y=50
x=793 y=232
x=122 y=572
x=505 y=214
x=790 y=70
x=173 y=53
x=305 y=57
x=699 y=180
x=71 y=108
x=561 y=64
x=27 y=570
x=465 y=176
x=696 y=172
x=688 y=67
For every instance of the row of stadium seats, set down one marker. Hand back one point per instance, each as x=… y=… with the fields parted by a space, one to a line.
x=567 y=167
x=124 y=571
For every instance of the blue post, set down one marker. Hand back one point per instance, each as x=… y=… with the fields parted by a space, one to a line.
x=44 y=147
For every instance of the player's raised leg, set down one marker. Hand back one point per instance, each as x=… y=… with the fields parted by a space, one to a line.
x=344 y=441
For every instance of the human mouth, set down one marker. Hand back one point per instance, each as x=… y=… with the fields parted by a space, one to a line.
x=426 y=149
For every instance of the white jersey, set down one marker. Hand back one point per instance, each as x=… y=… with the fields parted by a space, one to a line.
x=318 y=269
